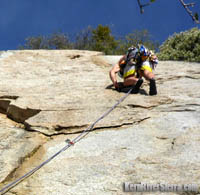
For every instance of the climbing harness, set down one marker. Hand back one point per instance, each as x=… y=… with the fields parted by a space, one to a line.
x=69 y=144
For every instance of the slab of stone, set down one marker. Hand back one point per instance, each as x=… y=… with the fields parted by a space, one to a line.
x=57 y=94
x=56 y=90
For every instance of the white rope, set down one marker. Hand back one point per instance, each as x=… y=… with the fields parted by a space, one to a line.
x=69 y=144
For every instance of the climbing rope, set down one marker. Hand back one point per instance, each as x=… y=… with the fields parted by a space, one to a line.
x=69 y=144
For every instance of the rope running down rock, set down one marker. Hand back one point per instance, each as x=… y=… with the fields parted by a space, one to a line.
x=69 y=144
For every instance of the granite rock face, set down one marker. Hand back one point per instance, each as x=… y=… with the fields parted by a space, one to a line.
x=49 y=96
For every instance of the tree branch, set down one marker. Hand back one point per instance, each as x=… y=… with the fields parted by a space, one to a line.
x=194 y=18
x=185 y=5
x=141 y=6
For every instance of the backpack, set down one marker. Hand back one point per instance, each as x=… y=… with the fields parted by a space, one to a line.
x=132 y=54
x=133 y=57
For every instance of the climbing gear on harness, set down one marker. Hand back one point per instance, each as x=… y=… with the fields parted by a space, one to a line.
x=152 y=87
x=69 y=144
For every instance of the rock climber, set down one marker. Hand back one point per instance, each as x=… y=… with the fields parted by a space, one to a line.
x=138 y=62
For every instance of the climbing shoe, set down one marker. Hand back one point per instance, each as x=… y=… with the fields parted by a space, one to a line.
x=152 y=87
x=136 y=89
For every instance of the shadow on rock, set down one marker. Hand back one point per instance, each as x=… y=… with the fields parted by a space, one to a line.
x=125 y=89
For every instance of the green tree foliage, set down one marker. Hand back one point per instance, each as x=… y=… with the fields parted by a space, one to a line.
x=99 y=39
x=83 y=40
x=59 y=41
x=54 y=41
x=103 y=40
x=135 y=38
x=183 y=46
x=38 y=42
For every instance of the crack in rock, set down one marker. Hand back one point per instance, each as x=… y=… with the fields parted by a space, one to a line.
x=61 y=130
x=162 y=80
x=182 y=108
x=59 y=127
x=139 y=106
x=21 y=160
x=162 y=137
x=12 y=97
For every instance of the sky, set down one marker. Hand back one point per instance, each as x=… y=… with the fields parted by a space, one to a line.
x=20 y=19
